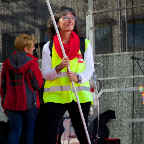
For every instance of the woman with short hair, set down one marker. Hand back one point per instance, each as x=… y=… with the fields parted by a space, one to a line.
x=20 y=80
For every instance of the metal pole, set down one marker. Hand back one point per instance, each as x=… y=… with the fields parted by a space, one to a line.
x=90 y=28
x=97 y=111
x=59 y=38
x=126 y=28
x=115 y=9
x=119 y=5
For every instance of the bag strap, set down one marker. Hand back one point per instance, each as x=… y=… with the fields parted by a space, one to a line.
x=50 y=47
x=82 y=46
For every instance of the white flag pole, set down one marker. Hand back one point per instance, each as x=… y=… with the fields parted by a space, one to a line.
x=64 y=54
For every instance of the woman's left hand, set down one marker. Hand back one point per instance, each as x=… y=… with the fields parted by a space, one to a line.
x=72 y=76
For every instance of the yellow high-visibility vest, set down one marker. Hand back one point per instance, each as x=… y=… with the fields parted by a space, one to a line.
x=60 y=90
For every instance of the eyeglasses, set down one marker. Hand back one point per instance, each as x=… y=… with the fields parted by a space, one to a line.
x=30 y=47
x=66 y=18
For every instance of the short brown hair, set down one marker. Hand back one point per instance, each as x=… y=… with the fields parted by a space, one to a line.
x=23 y=40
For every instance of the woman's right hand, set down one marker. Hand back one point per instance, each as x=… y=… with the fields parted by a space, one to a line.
x=64 y=63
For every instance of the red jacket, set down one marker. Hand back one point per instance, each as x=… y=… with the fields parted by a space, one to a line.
x=20 y=80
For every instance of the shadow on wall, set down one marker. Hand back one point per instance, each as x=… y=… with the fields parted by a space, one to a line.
x=22 y=17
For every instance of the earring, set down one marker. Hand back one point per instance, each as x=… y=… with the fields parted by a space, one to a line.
x=58 y=26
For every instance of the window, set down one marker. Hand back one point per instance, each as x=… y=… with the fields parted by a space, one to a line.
x=103 y=39
x=45 y=38
x=39 y=46
x=136 y=35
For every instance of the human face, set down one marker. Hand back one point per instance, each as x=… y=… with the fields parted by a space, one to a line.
x=29 y=49
x=67 y=22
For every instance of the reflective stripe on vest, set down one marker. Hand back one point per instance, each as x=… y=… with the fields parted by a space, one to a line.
x=57 y=88
x=82 y=88
x=66 y=88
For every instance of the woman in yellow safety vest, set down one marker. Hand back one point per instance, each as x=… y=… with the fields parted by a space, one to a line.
x=59 y=94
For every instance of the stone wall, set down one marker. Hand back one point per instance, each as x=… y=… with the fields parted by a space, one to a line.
x=127 y=104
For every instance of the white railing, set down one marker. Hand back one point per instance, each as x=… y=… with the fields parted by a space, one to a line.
x=118 y=90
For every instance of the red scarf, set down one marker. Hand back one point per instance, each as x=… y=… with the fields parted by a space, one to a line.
x=71 y=49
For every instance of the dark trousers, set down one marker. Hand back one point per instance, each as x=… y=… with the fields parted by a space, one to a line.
x=21 y=123
x=53 y=115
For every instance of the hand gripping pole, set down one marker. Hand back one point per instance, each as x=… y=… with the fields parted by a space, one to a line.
x=64 y=54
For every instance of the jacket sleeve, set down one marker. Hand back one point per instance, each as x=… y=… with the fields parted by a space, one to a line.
x=89 y=64
x=34 y=76
x=48 y=72
x=3 y=84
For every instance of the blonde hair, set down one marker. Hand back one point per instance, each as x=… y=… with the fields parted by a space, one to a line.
x=24 y=40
